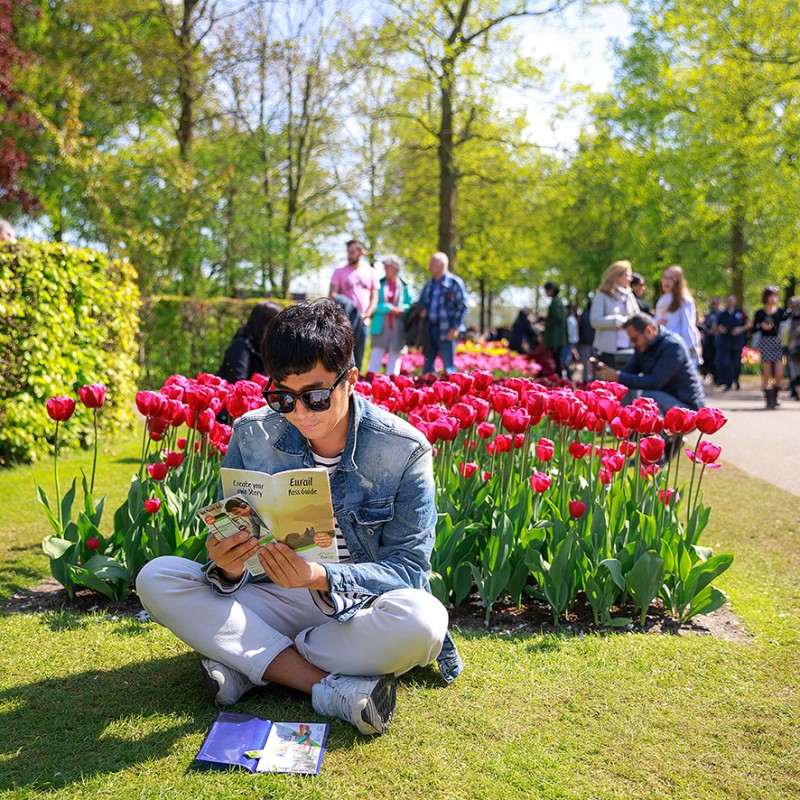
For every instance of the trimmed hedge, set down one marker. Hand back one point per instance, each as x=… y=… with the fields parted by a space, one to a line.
x=68 y=317
x=186 y=336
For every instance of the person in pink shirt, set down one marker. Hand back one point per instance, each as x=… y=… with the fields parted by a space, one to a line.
x=358 y=281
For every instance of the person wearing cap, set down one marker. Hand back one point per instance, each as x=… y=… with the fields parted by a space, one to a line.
x=555 y=326
x=638 y=285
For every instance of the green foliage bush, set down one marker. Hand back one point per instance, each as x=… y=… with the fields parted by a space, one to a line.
x=187 y=336
x=68 y=317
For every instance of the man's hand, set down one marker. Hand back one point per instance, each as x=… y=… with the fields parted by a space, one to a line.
x=285 y=568
x=451 y=334
x=605 y=373
x=231 y=553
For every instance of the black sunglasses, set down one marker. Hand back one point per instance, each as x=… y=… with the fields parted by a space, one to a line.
x=313 y=399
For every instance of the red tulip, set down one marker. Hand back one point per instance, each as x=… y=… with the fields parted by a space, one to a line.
x=502 y=398
x=536 y=403
x=173 y=459
x=613 y=461
x=502 y=443
x=578 y=449
x=666 y=495
x=158 y=471
x=577 y=508
x=181 y=444
x=516 y=420
x=519 y=440
x=382 y=388
x=198 y=397
x=706 y=453
x=618 y=429
x=485 y=430
x=152 y=504
x=540 y=481
x=465 y=414
x=60 y=409
x=679 y=420
x=649 y=470
x=463 y=381
x=93 y=543
x=651 y=448
x=487 y=475
x=607 y=409
x=482 y=380
x=709 y=420
x=545 y=449
x=605 y=475
x=445 y=392
x=92 y=395
x=446 y=428
x=468 y=468
x=481 y=407
x=157 y=427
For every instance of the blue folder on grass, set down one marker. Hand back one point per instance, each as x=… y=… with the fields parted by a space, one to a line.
x=258 y=745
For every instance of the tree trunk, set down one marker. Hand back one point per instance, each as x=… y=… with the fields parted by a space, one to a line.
x=186 y=82
x=737 y=256
x=447 y=170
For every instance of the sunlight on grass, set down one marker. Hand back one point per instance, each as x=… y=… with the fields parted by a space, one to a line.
x=93 y=706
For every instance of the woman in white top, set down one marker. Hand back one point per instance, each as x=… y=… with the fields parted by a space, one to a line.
x=613 y=303
x=676 y=311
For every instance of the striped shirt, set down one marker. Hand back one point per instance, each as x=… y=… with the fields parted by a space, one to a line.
x=332 y=604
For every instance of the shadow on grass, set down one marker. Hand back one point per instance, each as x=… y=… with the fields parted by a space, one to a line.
x=67 y=730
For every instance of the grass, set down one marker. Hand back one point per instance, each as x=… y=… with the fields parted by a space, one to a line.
x=93 y=706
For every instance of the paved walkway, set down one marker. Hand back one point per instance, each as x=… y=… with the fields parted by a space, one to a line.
x=765 y=444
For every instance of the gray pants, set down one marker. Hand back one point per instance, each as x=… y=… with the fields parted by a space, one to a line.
x=247 y=629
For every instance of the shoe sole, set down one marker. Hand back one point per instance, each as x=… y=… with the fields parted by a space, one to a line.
x=212 y=686
x=377 y=713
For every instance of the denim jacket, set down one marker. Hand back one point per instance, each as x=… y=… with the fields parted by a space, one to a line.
x=383 y=499
x=452 y=302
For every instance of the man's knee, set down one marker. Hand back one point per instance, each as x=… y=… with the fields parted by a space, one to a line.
x=162 y=573
x=420 y=616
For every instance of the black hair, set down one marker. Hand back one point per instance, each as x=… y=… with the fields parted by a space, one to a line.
x=639 y=322
x=306 y=334
x=552 y=287
x=637 y=278
x=235 y=502
x=260 y=317
x=355 y=241
x=768 y=290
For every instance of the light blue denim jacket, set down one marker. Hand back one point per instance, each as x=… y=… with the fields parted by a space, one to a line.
x=383 y=498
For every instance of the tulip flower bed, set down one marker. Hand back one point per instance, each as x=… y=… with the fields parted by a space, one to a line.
x=548 y=491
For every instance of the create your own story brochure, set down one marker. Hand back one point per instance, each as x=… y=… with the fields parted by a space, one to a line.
x=293 y=507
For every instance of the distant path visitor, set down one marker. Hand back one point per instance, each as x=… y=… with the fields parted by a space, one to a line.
x=764 y=444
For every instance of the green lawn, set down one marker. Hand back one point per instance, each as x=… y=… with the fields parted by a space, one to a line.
x=93 y=706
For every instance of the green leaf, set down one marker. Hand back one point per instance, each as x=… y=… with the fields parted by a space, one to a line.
x=56 y=548
x=706 y=601
x=43 y=500
x=644 y=579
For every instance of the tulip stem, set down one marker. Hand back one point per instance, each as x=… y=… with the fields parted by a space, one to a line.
x=691 y=482
x=58 y=490
x=94 y=459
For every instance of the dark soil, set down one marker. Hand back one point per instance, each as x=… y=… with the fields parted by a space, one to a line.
x=533 y=616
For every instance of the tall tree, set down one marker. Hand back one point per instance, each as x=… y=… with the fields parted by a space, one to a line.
x=448 y=45
x=17 y=126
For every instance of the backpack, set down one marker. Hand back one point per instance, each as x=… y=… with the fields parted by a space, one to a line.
x=413 y=325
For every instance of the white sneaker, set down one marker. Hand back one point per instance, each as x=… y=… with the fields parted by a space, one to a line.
x=225 y=685
x=367 y=703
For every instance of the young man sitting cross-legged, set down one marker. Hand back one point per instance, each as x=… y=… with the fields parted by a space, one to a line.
x=339 y=632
